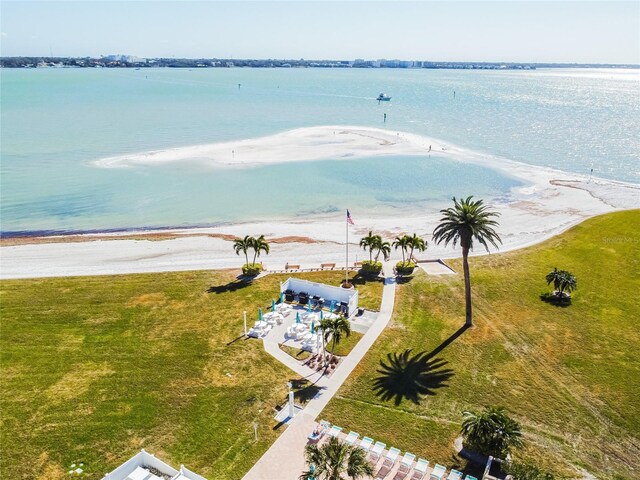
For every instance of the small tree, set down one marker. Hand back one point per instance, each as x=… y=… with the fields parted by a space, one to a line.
x=382 y=247
x=416 y=243
x=243 y=245
x=562 y=281
x=491 y=432
x=403 y=243
x=369 y=243
x=332 y=460
x=259 y=245
x=334 y=329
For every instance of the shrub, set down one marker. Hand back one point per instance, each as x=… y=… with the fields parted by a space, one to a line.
x=526 y=471
x=251 y=269
x=371 y=267
x=405 y=268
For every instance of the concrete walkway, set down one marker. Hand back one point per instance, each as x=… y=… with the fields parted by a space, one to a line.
x=285 y=458
x=310 y=374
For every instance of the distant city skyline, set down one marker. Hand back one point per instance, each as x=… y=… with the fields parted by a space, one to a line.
x=475 y=31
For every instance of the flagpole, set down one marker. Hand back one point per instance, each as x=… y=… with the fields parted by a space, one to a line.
x=346 y=270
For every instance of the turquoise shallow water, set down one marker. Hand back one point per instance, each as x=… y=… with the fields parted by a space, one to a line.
x=56 y=121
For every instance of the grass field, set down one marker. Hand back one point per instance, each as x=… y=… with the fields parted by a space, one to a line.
x=570 y=375
x=95 y=368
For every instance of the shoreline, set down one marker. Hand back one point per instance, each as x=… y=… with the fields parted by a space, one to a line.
x=549 y=202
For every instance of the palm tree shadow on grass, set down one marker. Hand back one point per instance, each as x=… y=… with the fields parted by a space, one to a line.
x=410 y=377
x=232 y=286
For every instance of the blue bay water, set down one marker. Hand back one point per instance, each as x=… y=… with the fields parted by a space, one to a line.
x=56 y=121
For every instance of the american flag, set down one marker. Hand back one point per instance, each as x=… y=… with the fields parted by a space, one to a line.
x=349 y=220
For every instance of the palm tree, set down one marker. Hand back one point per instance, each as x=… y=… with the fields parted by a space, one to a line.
x=259 y=245
x=331 y=460
x=403 y=243
x=465 y=221
x=416 y=243
x=562 y=280
x=334 y=328
x=383 y=247
x=368 y=243
x=491 y=432
x=243 y=245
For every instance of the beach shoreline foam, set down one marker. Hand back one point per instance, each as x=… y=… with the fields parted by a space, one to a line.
x=549 y=202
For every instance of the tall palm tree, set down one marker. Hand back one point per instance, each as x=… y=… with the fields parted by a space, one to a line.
x=243 y=245
x=403 y=243
x=416 y=243
x=491 y=431
x=259 y=245
x=562 y=280
x=368 y=243
x=465 y=222
x=335 y=328
x=331 y=460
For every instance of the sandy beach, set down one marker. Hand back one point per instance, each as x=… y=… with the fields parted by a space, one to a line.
x=551 y=201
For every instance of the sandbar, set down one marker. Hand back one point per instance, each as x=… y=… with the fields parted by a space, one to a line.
x=550 y=202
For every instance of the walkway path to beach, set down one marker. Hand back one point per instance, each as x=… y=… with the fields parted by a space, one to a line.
x=285 y=458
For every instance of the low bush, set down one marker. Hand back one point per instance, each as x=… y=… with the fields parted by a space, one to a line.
x=526 y=471
x=251 y=269
x=405 y=268
x=371 y=268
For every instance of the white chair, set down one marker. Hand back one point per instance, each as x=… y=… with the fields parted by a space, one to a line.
x=376 y=451
x=387 y=464
x=454 y=475
x=266 y=330
x=334 y=431
x=420 y=470
x=406 y=462
x=438 y=472
x=352 y=437
x=365 y=443
x=391 y=457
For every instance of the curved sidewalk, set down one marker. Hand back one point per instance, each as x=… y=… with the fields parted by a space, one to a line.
x=285 y=458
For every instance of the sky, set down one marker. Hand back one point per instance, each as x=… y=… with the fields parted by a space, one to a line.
x=510 y=31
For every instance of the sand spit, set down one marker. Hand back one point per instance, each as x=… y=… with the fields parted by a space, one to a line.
x=550 y=202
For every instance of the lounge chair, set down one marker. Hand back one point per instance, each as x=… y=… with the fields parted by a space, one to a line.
x=438 y=472
x=319 y=432
x=454 y=475
x=365 y=443
x=351 y=438
x=382 y=472
x=469 y=477
x=392 y=456
x=335 y=431
x=420 y=470
x=406 y=462
x=376 y=451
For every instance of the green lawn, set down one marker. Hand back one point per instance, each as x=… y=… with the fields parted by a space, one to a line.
x=95 y=368
x=343 y=348
x=570 y=375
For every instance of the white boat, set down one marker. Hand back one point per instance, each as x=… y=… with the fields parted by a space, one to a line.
x=383 y=98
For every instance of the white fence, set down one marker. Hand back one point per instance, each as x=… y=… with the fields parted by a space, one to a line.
x=189 y=474
x=328 y=292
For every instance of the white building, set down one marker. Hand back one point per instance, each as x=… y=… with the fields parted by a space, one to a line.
x=145 y=466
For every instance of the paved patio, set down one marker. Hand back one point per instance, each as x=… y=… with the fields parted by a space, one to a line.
x=436 y=267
